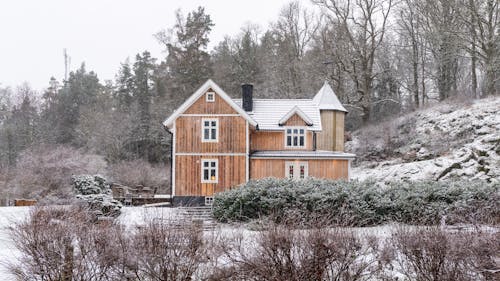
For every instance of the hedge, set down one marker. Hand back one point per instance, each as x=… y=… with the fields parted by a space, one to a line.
x=360 y=203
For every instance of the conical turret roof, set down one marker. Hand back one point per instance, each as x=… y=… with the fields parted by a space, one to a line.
x=327 y=100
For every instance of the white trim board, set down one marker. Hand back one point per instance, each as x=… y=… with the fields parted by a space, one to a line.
x=173 y=162
x=303 y=157
x=208 y=115
x=209 y=154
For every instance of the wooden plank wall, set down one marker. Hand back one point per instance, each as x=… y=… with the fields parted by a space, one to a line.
x=232 y=135
x=188 y=174
x=272 y=140
x=339 y=131
x=331 y=137
x=219 y=106
x=329 y=169
x=295 y=120
x=265 y=168
x=318 y=168
x=190 y=150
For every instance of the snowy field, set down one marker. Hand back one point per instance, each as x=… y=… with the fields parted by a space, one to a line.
x=132 y=217
x=135 y=216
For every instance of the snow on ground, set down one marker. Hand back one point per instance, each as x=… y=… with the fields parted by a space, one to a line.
x=443 y=142
x=8 y=216
x=136 y=216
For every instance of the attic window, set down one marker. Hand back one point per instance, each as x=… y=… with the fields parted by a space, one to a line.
x=295 y=137
x=210 y=96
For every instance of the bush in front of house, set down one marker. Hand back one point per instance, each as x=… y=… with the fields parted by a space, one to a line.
x=360 y=203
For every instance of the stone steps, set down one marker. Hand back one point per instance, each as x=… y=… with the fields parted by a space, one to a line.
x=201 y=214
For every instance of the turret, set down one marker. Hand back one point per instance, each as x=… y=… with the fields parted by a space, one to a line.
x=332 y=113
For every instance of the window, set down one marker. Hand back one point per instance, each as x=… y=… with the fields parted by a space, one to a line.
x=209 y=171
x=210 y=96
x=295 y=137
x=209 y=201
x=296 y=170
x=209 y=129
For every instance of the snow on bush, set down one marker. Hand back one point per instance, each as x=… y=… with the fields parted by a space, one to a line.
x=95 y=190
x=360 y=203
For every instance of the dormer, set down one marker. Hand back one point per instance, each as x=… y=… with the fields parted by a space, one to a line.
x=295 y=117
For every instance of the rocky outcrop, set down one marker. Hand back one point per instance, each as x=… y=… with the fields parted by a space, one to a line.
x=444 y=143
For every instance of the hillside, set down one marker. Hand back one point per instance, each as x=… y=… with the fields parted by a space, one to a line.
x=446 y=141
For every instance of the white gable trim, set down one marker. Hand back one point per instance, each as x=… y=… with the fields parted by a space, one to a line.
x=296 y=110
x=194 y=97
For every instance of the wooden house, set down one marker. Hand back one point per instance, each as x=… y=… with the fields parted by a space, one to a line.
x=219 y=142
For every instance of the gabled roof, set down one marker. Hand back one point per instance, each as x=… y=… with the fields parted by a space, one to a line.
x=300 y=113
x=269 y=112
x=194 y=97
x=327 y=100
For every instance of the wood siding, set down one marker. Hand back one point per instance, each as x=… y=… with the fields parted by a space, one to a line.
x=318 y=168
x=275 y=140
x=190 y=150
x=201 y=106
x=231 y=172
x=331 y=137
x=231 y=138
x=295 y=120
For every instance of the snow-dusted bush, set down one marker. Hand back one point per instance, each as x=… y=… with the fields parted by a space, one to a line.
x=65 y=243
x=360 y=203
x=435 y=254
x=96 y=191
x=281 y=253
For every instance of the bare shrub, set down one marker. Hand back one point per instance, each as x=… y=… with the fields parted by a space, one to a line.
x=164 y=252
x=140 y=172
x=45 y=171
x=434 y=254
x=64 y=244
x=315 y=254
x=59 y=243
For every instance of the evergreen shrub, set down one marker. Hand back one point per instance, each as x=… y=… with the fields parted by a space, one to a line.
x=358 y=203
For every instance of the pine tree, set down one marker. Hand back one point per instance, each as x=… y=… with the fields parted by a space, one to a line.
x=188 y=62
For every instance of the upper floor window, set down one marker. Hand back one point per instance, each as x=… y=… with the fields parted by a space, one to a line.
x=210 y=96
x=209 y=130
x=295 y=137
x=209 y=170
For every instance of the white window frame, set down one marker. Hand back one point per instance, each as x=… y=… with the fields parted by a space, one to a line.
x=298 y=135
x=210 y=127
x=287 y=169
x=208 y=95
x=296 y=169
x=209 y=168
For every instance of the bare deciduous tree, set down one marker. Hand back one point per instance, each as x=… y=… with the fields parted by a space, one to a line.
x=364 y=23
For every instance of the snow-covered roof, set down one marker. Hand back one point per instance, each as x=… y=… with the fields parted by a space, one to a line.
x=302 y=154
x=268 y=112
x=327 y=100
x=194 y=97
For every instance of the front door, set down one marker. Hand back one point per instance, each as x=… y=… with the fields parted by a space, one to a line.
x=296 y=169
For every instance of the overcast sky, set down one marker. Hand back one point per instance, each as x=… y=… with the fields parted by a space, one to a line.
x=102 y=33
